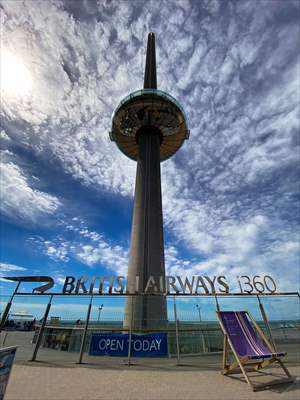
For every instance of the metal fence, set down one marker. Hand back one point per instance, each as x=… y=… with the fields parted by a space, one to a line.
x=59 y=328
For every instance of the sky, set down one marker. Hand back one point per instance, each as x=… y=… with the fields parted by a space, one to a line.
x=230 y=194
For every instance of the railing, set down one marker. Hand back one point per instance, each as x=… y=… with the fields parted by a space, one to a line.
x=64 y=325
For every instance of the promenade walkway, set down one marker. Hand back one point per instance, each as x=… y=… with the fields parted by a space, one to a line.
x=38 y=382
x=56 y=376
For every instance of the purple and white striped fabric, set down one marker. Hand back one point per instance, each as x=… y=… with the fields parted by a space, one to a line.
x=243 y=337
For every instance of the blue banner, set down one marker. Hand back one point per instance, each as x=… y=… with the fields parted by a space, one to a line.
x=116 y=344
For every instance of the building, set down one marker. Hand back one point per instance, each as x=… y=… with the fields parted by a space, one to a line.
x=148 y=126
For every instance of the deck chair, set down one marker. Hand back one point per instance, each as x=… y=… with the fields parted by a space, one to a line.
x=249 y=346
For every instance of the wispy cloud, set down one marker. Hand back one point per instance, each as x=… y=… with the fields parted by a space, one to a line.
x=19 y=199
x=230 y=195
x=89 y=247
x=6 y=268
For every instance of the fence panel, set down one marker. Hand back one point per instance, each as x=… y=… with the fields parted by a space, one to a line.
x=191 y=332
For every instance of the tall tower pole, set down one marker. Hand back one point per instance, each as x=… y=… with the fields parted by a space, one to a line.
x=148 y=126
x=147 y=242
x=150 y=81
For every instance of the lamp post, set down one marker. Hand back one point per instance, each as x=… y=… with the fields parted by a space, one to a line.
x=199 y=311
x=99 y=311
x=202 y=334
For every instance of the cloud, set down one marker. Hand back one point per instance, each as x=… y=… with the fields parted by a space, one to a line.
x=89 y=247
x=19 y=200
x=4 y=267
x=3 y=135
x=230 y=195
x=56 y=249
x=94 y=249
x=112 y=257
x=98 y=250
x=58 y=253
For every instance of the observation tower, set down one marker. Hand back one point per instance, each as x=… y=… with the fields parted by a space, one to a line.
x=148 y=126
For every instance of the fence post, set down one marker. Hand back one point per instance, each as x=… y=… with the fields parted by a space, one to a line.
x=130 y=332
x=218 y=309
x=40 y=335
x=7 y=308
x=201 y=330
x=217 y=303
x=266 y=322
x=176 y=332
x=207 y=341
x=204 y=347
x=85 y=331
x=4 y=339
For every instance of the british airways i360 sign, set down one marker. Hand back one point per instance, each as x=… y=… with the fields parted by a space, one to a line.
x=169 y=285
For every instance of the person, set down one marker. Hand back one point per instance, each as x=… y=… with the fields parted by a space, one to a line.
x=78 y=322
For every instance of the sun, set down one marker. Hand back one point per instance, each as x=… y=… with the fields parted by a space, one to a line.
x=15 y=78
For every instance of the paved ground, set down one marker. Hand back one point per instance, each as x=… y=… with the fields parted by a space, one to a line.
x=48 y=383
x=56 y=376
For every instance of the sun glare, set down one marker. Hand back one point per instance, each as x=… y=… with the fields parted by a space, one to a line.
x=15 y=78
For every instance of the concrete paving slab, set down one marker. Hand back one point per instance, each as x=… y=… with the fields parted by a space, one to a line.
x=35 y=382
x=56 y=376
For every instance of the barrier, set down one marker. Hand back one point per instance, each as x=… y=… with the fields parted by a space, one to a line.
x=64 y=333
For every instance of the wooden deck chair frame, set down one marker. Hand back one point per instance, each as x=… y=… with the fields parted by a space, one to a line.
x=242 y=362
